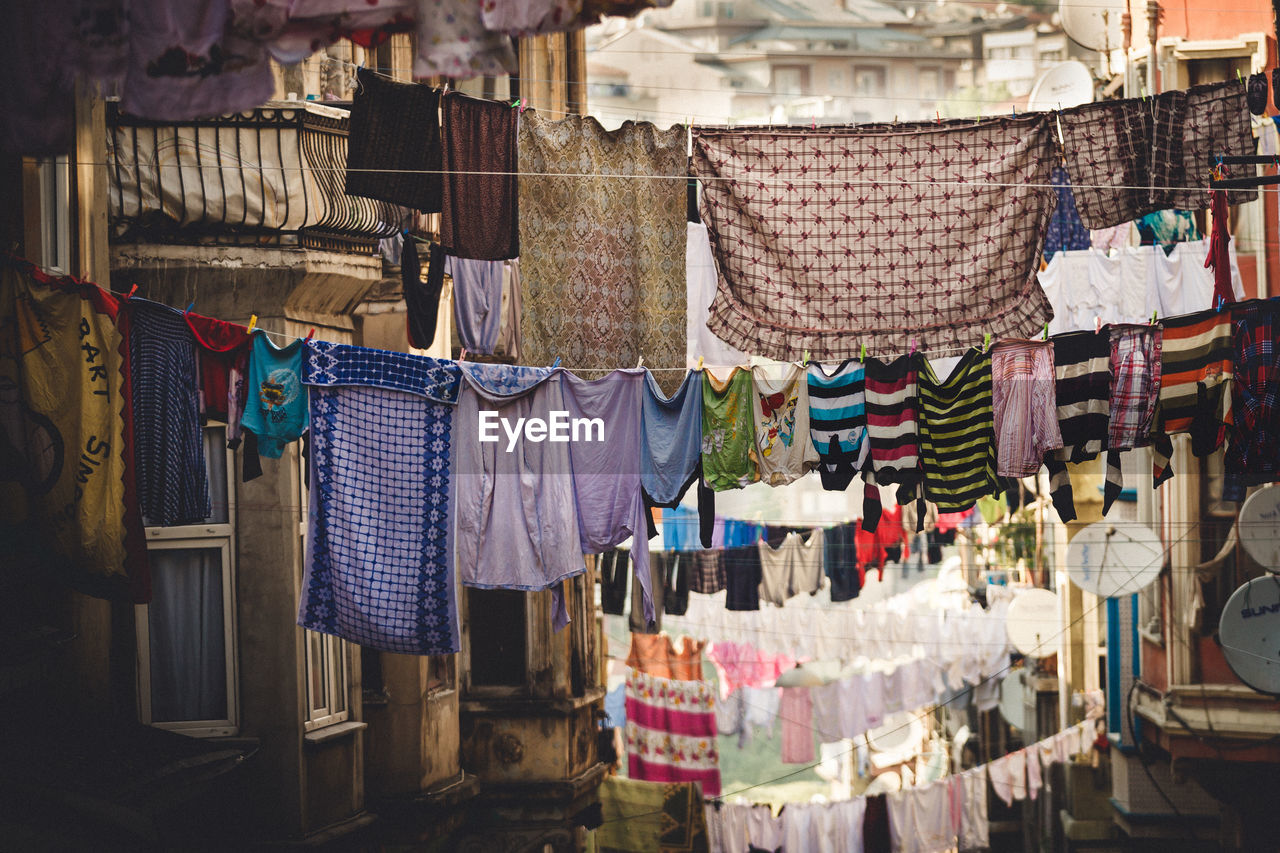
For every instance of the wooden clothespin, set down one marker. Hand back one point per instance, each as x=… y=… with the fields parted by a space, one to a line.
x=311 y=334
x=253 y=321
x=462 y=356
x=639 y=362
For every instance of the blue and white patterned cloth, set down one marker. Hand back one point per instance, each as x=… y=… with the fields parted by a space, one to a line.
x=379 y=564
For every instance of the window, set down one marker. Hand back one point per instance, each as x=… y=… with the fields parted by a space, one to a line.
x=186 y=635
x=790 y=79
x=868 y=80
x=497 y=623
x=54 y=175
x=327 y=657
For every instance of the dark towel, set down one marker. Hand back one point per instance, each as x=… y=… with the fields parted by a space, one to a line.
x=479 y=215
x=742 y=578
x=678 y=568
x=614 y=568
x=422 y=299
x=395 y=134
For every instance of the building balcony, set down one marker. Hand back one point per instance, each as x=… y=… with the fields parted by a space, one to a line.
x=270 y=177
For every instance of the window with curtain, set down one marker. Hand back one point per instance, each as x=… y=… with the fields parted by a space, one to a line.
x=186 y=637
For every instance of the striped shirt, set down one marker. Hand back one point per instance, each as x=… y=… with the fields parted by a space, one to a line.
x=957 y=437
x=838 y=421
x=1082 y=366
x=1195 y=385
x=893 y=420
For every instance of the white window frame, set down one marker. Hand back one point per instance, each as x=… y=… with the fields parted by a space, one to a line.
x=54 y=176
x=335 y=653
x=201 y=536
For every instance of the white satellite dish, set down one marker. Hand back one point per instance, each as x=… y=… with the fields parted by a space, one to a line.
x=1033 y=622
x=1249 y=630
x=1259 y=527
x=1093 y=24
x=1067 y=84
x=1113 y=558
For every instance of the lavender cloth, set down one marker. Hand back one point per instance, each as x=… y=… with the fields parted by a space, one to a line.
x=606 y=473
x=517 y=522
x=477 y=302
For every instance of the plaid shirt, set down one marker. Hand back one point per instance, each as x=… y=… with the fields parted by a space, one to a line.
x=1135 y=384
x=707 y=576
x=1253 y=454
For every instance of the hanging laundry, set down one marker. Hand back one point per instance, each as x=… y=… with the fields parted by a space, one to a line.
x=676 y=568
x=393 y=142
x=1167 y=228
x=1082 y=365
x=700 y=288
x=745 y=828
x=1253 y=446
x=1135 y=389
x=1134 y=156
x=671 y=455
x=824 y=827
x=780 y=407
x=531 y=18
x=738 y=532
x=876 y=836
x=975 y=828
x=453 y=42
x=729 y=458
x=1065 y=231
x=671 y=731
x=1009 y=777
x=422 y=298
x=931 y=261
x=62 y=432
x=1024 y=406
x=223 y=354
x=920 y=819
x=1090 y=286
x=840 y=562
x=893 y=424
x=1034 y=782
x=477 y=302
x=1219 y=258
x=708 y=572
x=742 y=573
x=1107 y=239
x=892 y=537
x=641 y=817
x=656 y=655
x=276 y=408
x=793 y=567
x=509 y=336
x=480 y=189
x=615 y=567
x=606 y=468
x=957 y=436
x=638 y=621
x=1195 y=378
x=500 y=542
x=379 y=565
x=796 y=713
x=619 y=242
x=187 y=60
x=679 y=527
x=295 y=30
x=838 y=422
x=173 y=485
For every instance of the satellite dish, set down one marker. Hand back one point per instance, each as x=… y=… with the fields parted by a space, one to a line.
x=1067 y=84
x=1092 y=24
x=1259 y=527
x=1113 y=558
x=1012 y=702
x=1033 y=623
x=1249 y=631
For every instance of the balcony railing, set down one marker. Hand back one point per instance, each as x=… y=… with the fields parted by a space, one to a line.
x=269 y=177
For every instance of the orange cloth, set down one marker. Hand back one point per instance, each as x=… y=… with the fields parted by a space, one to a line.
x=656 y=655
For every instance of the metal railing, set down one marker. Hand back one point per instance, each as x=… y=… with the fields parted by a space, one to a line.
x=272 y=176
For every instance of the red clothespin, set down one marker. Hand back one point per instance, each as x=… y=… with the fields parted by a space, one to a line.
x=914 y=341
x=311 y=334
x=938 y=113
x=132 y=291
x=813 y=125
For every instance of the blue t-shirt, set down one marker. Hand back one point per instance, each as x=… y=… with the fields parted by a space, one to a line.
x=276 y=408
